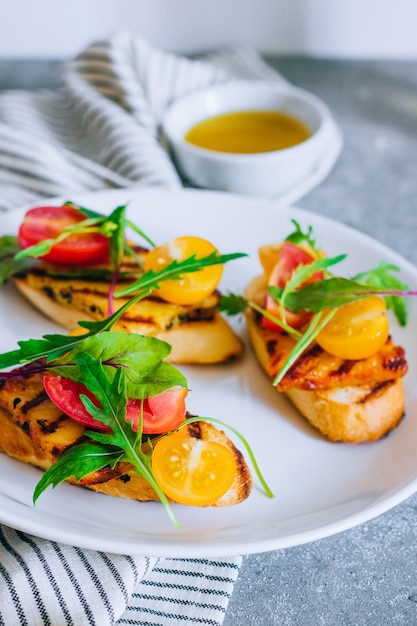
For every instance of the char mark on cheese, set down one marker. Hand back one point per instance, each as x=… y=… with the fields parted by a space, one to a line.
x=396 y=362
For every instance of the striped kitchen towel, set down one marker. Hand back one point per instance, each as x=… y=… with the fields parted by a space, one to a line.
x=99 y=130
x=43 y=583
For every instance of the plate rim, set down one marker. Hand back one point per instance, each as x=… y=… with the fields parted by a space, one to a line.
x=29 y=523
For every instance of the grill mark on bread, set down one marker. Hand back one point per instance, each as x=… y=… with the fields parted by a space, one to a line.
x=376 y=390
x=194 y=429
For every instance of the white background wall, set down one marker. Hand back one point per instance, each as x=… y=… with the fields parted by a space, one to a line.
x=327 y=28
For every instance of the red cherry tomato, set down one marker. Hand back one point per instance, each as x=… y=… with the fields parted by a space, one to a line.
x=161 y=413
x=47 y=222
x=65 y=393
x=289 y=257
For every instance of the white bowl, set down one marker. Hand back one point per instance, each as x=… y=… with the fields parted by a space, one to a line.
x=265 y=173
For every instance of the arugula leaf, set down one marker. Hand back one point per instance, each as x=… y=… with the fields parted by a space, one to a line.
x=129 y=223
x=298 y=236
x=232 y=304
x=122 y=444
x=175 y=271
x=55 y=346
x=112 y=397
x=112 y=226
x=317 y=323
x=383 y=277
x=78 y=462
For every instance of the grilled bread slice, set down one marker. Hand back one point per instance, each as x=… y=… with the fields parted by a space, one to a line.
x=35 y=431
x=197 y=333
x=348 y=401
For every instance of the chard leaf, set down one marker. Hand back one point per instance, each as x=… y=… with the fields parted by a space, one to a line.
x=304 y=272
x=140 y=357
x=135 y=353
x=334 y=292
x=322 y=294
x=163 y=377
x=78 y=462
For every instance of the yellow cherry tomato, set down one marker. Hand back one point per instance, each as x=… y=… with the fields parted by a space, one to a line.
x=192 y=471
x=192 y=287
x=357 y=330
x=269 y=256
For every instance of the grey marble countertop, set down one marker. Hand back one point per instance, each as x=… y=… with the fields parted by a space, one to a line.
x=366 y=575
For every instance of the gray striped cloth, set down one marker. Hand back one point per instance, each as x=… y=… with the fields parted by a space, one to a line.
x=99 y=130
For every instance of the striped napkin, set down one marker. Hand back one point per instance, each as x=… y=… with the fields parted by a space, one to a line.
x=99 y=130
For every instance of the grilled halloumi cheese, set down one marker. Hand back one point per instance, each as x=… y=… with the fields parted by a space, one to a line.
x=197 y=333
x=35 y=431
x=347 y=400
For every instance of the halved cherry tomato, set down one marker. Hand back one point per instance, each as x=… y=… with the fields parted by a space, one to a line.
x=194 y=286
x=47 y=222
x=192 y=471
x=160 y=413
x=65 y=393
x=357 y=330
x=289 y=257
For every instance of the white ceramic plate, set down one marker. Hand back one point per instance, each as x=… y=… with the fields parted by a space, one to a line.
x=320 y=488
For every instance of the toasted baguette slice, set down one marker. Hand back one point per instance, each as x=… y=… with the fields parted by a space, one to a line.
x=348 y=401
x=197 y=333
x=34 y=430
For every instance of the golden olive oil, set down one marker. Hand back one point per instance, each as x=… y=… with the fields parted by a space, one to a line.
x=246 y=132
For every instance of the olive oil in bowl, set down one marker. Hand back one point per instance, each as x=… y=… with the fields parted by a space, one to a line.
x=248 y=132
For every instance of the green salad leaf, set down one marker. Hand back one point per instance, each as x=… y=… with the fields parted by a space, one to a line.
x=299 y=237
x=175 y=271
x=122 y=444
x=9 y=264
x=114 y=366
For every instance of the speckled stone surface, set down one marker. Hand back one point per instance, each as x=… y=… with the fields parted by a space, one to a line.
x=366 y=575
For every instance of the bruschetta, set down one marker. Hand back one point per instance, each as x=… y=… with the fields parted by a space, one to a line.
x=330 y=352
x=81 y=277
x=82 y=417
